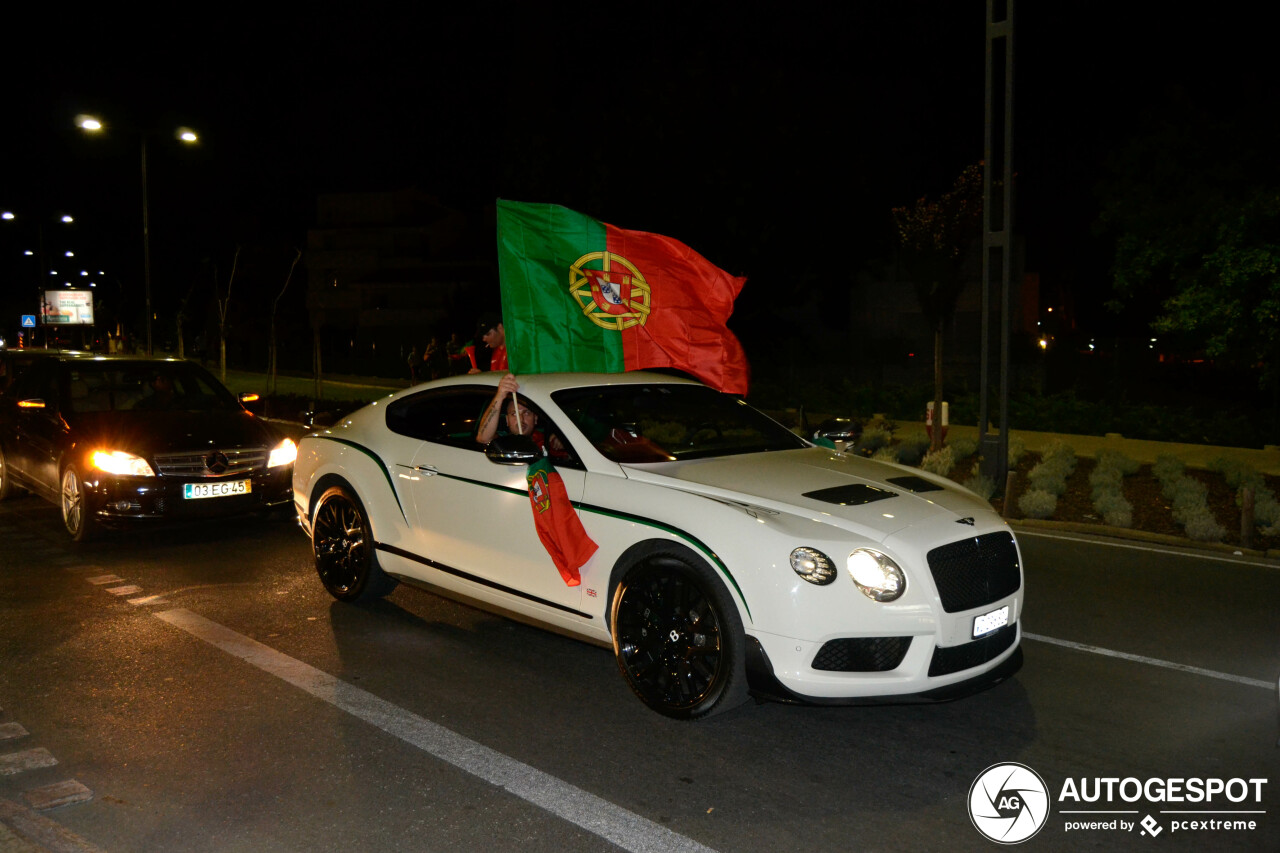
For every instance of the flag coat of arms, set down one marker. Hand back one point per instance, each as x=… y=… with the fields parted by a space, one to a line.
x=557 y=522
x=579 y=295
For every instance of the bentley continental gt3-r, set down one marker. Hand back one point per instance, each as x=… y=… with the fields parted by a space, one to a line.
x=734 y=557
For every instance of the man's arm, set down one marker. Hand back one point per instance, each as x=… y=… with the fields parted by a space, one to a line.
x=489 y=420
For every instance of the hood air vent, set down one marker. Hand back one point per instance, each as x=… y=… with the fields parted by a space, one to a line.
x=915 y=484
x=853 y=495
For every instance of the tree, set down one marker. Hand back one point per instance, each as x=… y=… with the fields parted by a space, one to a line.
x=1193 y=205
x=936 y=238
x=223 y=303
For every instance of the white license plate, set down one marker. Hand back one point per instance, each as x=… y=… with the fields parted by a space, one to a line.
x=988 y=622
x=194 y=491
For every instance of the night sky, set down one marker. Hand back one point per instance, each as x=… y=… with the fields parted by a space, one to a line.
x=773 y=138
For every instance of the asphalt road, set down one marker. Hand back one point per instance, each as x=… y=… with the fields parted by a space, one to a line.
x=211 y=697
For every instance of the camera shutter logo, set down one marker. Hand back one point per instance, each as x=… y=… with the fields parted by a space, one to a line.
x=1008 y=803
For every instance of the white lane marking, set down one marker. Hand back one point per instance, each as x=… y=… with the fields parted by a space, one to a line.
x=130 y=589
x=147 y=599
x=613 y=823
x=1189 y=552
x=1181 y=667
x=104 y=579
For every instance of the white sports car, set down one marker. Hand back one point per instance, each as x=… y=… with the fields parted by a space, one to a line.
x=733 y=556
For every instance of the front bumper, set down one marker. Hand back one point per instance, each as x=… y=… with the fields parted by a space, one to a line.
x=114 y=499
x=997 y=657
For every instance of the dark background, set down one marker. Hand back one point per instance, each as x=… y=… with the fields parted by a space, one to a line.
x=773 y=138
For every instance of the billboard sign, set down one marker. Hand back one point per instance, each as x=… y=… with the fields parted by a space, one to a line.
x=68 y=308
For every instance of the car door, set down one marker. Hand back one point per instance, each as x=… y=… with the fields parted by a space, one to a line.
x=473 y=516
x=39 y=432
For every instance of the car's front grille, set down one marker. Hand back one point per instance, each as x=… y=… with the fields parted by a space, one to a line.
x=957 y=658
x=862 y=654
x=975 y=571
x=211 y=463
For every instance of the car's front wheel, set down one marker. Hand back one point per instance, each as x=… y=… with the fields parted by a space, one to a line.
x=342 y=542
x=76 y=516
x=678 y=638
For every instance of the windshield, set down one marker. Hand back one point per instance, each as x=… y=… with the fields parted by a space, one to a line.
x=663 y=423
x=105 y=386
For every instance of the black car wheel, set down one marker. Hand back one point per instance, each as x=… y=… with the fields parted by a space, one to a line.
x=678 y=638
x=75 y=506
x=342 y=542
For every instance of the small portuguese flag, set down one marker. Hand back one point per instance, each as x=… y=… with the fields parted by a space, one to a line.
x=579 y=295
x=557 y=522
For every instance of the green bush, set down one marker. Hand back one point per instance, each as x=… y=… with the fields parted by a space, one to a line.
x=872 y=439
x=1037 y=503
x=963 y=448
x=940 y=462
x=1114 y=460
x=984 y=487
x=1202 y=526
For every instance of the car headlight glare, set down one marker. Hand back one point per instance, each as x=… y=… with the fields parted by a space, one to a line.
x=284 y=454
x=879 y=578
x=121 y=464
x=813 y=565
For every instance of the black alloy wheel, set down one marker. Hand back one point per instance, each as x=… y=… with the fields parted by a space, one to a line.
x=76 y=516
x=678 y=638
x=343 y=544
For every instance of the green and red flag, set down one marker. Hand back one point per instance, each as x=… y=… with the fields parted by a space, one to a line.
x=557 y=522
x=579 y=295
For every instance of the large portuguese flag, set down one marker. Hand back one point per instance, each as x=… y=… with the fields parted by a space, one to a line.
x=580 y=295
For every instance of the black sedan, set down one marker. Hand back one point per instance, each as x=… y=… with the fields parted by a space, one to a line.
x=111 y=440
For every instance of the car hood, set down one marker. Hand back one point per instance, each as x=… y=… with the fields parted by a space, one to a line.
x=870 y=498
x=147 y=433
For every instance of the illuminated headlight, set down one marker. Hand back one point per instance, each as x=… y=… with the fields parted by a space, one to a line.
x=121 y=464
x=812 y=565
x=284 y=454
x=876 y=575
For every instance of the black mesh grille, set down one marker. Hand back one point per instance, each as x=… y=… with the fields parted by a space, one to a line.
x=969 y=655
x=975 y=571
x=862 y=654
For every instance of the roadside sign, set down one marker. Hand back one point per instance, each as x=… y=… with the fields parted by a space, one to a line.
x=28 y=321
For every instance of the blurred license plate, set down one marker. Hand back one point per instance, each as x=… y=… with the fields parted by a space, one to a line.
x=988 y=622
x=192 y=491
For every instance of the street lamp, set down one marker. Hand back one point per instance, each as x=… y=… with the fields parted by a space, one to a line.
x=186 y=135
x=41 y=282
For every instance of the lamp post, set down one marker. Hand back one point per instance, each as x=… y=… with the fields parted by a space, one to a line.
x=183 y=134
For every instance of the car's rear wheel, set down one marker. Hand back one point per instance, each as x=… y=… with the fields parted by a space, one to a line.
x=76 y=516
x=678 y=638
x=342 y=542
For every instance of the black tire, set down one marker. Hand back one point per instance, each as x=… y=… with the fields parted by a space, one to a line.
x=6 y=483
x=74 y=503
x=343 y=545
x=678 y=638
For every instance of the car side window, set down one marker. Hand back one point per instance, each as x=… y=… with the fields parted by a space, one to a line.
x=446 y=416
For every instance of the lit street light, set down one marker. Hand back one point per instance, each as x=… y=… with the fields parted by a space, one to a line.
x=184 y=134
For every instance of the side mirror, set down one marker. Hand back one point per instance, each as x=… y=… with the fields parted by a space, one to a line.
x=251 y=401
x=513 y=450
x=28 y=405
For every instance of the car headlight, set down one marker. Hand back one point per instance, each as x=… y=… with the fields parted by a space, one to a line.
x=813 y=565
x=121 y=464
x=284 y=454
x=879 y=578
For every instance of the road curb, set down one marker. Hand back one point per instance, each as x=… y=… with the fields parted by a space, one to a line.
x=1144 y=536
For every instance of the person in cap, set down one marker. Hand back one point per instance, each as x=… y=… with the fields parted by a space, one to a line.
x=490 y=330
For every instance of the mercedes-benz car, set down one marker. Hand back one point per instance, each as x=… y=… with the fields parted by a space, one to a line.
x=114 y=440
x=732 y=557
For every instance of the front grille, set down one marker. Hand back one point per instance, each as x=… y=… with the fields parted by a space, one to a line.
x=975 y=571
x=957 y=658
x=234 y=462
x=862 y=654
